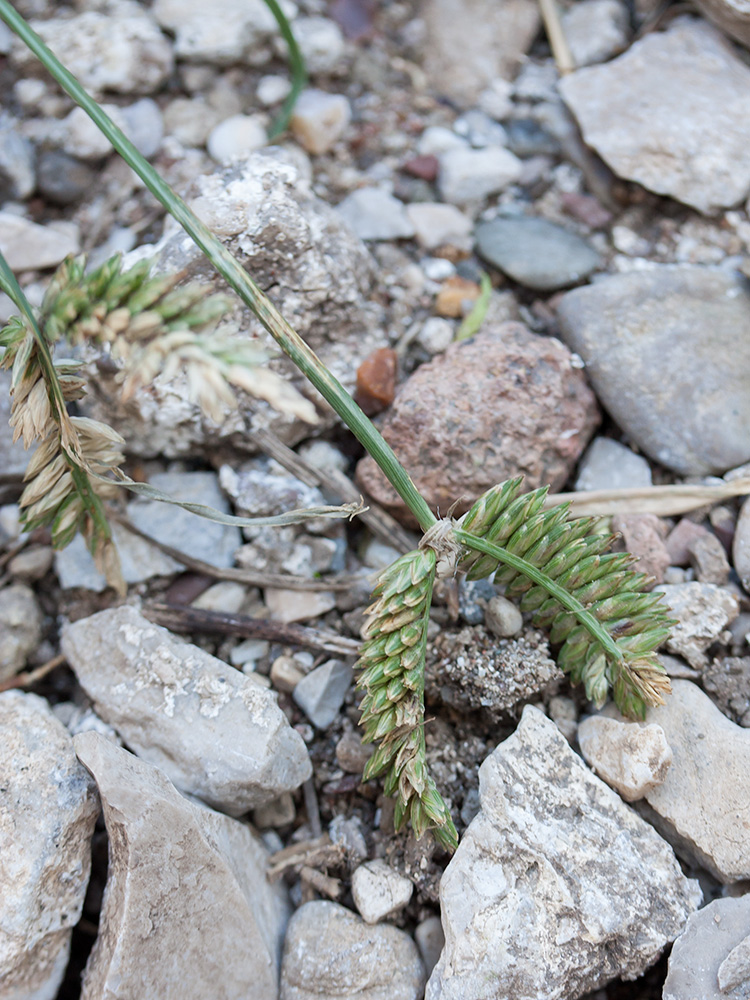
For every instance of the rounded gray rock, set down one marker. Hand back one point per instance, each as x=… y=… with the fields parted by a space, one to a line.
x=710 y=959
x=668 y=353
x=536 y=253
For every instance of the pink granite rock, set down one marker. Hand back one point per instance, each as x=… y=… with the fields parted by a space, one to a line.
x=505 y=402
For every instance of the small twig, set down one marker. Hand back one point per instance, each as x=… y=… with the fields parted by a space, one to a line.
x=179 y=618
x=326 y=885
x=255 y=578
x=32 y=676
x=379 y=521
x=662 y=500
x=556 y=36
x=311 y=807
x=318 y=852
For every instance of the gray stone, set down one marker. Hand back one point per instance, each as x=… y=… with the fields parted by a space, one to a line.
x=709 y=560
x=436 y=335
x=703 y=611
x=17 y=178
x=710 y=958
x=321 y=43
x=700 y=157
x=48 y=808
x=480 y=130
x=374 y=214
x=144 y=126
x=330 y=953
x=319 y=120
x=298 y=605
x=470 y=175
x=20 y=628
x=226 y=32
x=502 y=617
x=430 y=941
x=496 y=34
x=214 y=731
x=63 y=179
x=119 y=48
x=732 y=16
x=609 y=465
x=379 y=891
x=320 y=694
x=536 y=253
x=186 y=890
x=596 y=30
x=701 y=807
x=237 y=135
x=13 y=456
x=557 y=886
x=29 y=247
x=436 y=224
x=632 y=759
x=741 y=546
x=727 y=680
x=688 y=409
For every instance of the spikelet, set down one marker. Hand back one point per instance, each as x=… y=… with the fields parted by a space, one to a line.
x=391 y=668
x=574 y=557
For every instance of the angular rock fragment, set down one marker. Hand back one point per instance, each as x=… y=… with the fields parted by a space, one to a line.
x=379 y=890
x=503 y=403
x=215 y=732
x=703 y=805
x=188 y=912
x=20 y=627
x=48 y=808
x=631 y=759
x=557 y=886
x=711 y=958
x=330 y=953
x=703 y=611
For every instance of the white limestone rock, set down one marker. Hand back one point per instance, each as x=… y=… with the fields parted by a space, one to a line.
x=470 y=175
x=188 y=912
x=711 y=958
x=215 y=732
x=703 y=805
x=220 y=33
x=48 y=808
x=609 y=465
x=374 y=214
x=330 y=953
x=20 y=628
x=557 y=886
x=379 y=891
x=436 y=224
x=29 y=247
x=117 y=48
x=319 y=119
x=596 y=30
x=703 y=611
x=632 y=759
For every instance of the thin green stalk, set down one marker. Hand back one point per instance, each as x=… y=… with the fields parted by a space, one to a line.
x=297 y=66
x=230 y=269
x=561 y=595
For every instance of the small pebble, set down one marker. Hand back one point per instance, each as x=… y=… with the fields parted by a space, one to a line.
x=437 y=225
x=564 y=713
x=247 y=653
x=279 y=812
x=741 y=546
x=286 y=673
x=456 y=297
x=225 y=596
x=236 y=136
x=502 y=617
x=298 y=605
x=379 y=891
x=144 y=126
x=496 y=100
x=272 y=89
x=436 y=335
x=374 y=214
x=61 y=178
x=480 y=130
x=425 y=167
x=376 y=380
x=632 y=759
x=609 y=465
x=321 y=693
x=643 y=536
x=321 y=43
x=32 y=563
x=437 y=139
x=709 y=560
x=351 y=753
x=347 y=832
x=319 y=119
x=430 y=940
x=681 y=538
x=470 y=175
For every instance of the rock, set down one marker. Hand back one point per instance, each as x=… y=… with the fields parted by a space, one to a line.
x=453 y=27
x=286 y=673
x=190 y=120
x=741 y=546
x=436 y=225
x=430 y=941
x=436 y=335
x=502 y=617
x=437 y=139
x=319 y=120
x=732 y=16
x=13 y=456
x=689 y=409
x=699 y=806
x=20 y=628
x=703 y=611
x=709 y=560
x=727 y=680
x=320 y=694
x=374 y=214
x=470 y=175
x=272 y=90
x=31 y=563
x=564 y=713
x=118 y=48
x=480 y=130
x=456 y=296
x=236 y=136
x=470 y=670
x=536 y=253
x=424 y=167
x=462 y=422
x=215 y=732
x=298 y=605
x=379 y=891
x=632 y=759
x=609 y=465
x=351 y=753
x=186 y=889
x=17 y=176
x=347 y=834
x=557 y=886
x=320 y=41
x=260 y=207
x=48 y=808
x=227 y=32
x=331 y=953
x=710 y=958
x=63 y=179
x=144 y=126
x=681 y=538
x=643 y=536
x=376 y=380
x=596 y=30
x=29 y=247
x=262 y=487
x=78 y=136
x=702 y=159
